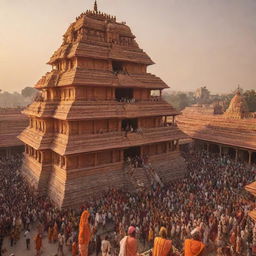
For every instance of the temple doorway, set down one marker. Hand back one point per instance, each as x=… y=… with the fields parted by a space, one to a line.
x=132 y=152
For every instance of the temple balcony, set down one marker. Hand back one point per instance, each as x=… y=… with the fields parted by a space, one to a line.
x=74 y=144
x=112 y=109
x=81 y=110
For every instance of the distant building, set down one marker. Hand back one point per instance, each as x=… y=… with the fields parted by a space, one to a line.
x=12 y=122
x=202 y=95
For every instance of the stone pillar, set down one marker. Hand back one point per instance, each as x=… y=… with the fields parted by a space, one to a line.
x=236 y=155
x=208 y=147
x=220 y=148
x=250 y=157
x=173 y=120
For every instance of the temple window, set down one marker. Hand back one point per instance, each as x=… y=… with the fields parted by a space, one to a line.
x=124 y=94
x=155 y=95
x=117 y=66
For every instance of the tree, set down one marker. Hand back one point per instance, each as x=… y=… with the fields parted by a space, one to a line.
x=29 y=92
x=250 y=98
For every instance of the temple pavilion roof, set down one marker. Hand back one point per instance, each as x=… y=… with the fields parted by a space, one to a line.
x=200 y=123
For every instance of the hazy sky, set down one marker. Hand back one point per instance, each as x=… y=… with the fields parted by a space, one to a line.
x=193 y=42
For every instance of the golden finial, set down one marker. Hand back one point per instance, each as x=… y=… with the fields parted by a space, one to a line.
x=95 y=6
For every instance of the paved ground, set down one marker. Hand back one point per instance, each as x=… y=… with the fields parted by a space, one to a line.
x=20 y=248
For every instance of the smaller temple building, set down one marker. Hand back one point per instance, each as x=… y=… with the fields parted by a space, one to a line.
x=12 y=122
x=232 y=133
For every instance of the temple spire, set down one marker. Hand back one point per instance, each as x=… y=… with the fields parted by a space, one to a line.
x=95 y=6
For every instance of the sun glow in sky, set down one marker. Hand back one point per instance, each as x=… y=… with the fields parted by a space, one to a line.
x=192 y=42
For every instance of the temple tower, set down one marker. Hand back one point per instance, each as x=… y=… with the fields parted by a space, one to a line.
x=238 y=108
x=99 y=107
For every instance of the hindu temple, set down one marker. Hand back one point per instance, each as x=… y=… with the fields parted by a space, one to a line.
x=231 y=133
x=99 y=110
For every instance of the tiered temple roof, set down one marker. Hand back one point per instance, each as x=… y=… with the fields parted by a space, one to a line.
x=200 y=123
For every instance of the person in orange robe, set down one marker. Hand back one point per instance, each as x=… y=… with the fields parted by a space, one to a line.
x=194 y=247
x=131 y=242
x=162 y=246
x=38 y=243
x=84 y=233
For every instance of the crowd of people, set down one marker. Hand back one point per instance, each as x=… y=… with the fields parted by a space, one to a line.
x=209 y=198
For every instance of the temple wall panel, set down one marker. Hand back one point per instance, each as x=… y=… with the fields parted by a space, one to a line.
x=93 y=93
x=88 y=160
x=104 y=157
x=113 y=125
x=159 y=148
x=88 y=126
x=95 y=64
x=150 y=122
x=85 y=160
x=141 y=94
x=135 y=68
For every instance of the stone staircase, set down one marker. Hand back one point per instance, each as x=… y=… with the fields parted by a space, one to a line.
x=154 y=177
x=142 y=177
x=138 y=177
